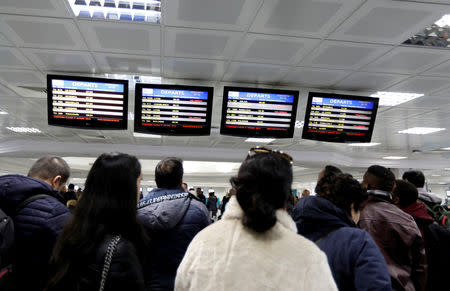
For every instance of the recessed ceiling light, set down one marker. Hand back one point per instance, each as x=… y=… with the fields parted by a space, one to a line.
x=395 y=98
x=446 y=149
x=260 y=140
x=140 y=11
x=145 y=135
x=24 y=129
x=394 y=158
x=367 y=144
x=299 y=124
x=421 y=130
x=435 y=175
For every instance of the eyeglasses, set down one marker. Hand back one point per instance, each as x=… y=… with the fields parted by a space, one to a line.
x=263 y=150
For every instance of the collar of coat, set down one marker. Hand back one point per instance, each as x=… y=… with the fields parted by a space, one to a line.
x=234 y=211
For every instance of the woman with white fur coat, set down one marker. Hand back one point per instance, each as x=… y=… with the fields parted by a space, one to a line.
x=256 y=246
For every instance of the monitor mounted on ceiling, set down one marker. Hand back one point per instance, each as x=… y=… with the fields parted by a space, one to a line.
x=87 y=103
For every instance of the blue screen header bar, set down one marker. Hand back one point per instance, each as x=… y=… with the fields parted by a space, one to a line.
x=174 y=93
x=338 y=102
x=85 y=85
x=262 y=97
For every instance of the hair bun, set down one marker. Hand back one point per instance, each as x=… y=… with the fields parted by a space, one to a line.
x=258 y=214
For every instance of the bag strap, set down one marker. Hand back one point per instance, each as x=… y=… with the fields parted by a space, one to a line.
x=326 y=234
x=31 y=199
x=108 y=258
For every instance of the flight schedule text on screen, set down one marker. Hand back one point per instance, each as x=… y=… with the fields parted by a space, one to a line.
x=339 y=118
x=171 y=108
x=87 y=101
x=263 y=112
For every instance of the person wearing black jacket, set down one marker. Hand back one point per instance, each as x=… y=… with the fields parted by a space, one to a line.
x=105 y=213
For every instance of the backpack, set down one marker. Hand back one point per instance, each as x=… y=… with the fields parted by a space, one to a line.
x=439 y=214
x=7 y=250
x=438 y=255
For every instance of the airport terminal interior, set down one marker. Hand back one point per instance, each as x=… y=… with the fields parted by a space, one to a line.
x=396 y=51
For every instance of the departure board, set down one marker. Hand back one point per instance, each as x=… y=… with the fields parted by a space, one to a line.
x=173 y=109
x=253 y=112
x=339 y=118
x=87 y=102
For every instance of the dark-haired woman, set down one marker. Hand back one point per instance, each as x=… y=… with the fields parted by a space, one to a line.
x=329 y=219
x=255 y=246
x=105 y=218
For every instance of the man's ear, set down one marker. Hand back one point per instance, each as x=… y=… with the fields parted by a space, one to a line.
x=396 y=200
x=55 y=182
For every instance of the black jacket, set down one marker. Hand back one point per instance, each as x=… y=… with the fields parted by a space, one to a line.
x=125 y=272
x=37 y=226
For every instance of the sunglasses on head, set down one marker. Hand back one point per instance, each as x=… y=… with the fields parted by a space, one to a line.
x=263 y=150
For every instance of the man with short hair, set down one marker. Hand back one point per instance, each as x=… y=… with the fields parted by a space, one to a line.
x=70 y=193
x=38 y=223
x=200 y=195
x=306 y=193
x=171 y=217
x=417 y=178
x=394 y=231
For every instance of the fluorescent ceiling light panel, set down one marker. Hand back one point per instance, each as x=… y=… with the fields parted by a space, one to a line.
x=367 y=144
x=137 y=134
x=24 y=129
x=139 y=11
x=395 y=98
x=446 y=149
x=260 y=140
x=3 y=112
x=435 y=175
x=394 y=158
x=421 y=130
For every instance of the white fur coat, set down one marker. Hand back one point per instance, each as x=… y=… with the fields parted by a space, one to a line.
x=229 y=256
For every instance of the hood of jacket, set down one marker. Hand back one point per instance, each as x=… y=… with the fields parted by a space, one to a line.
x=429 y=196
x=418 y=210
x=16 y=188
x=316 y=216
x=163 y=209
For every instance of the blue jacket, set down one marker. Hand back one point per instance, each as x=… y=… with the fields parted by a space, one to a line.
x=171 y=218
x=354 y=258
x=37 y=226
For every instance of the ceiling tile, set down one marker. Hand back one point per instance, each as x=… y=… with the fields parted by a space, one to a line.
x=428 y=102
x=121 y=63
x=192 y=68
x=302 y=18
x=108 y=36
x=13 y=58
x=4 y=41
x=421 y=84
x=386 y=21
x=248 y=72
x=281 y=50
x=441 y=70
x=4 y=91
x=314 y=77
x=56 y=8
x=403 y=113
x=206 y=44
x=22 y=77
x=64 y=61
x=40 y=32
x=442 y=93
x=369 y=81
x=210 y=14
x=408 y=60
x=343 y=55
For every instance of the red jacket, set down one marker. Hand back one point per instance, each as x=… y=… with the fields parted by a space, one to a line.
x=419 y=212
x=399 y=239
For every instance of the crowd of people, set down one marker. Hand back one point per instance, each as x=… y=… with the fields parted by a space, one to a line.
x=380 y=234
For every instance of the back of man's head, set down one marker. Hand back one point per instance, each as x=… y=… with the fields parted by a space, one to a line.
x=71 y=187
x=379 y=178
x=169 y=173
x=48 y=168
x=405 y=193
x=414 y=177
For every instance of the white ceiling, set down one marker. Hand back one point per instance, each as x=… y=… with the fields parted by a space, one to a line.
x=346 y=46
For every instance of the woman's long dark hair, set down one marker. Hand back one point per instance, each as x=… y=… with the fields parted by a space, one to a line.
x=262 y=185
x=108 y=206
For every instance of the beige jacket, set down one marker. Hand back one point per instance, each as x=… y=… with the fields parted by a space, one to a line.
x=228 y=256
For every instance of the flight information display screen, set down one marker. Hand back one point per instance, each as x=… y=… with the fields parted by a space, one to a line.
x=339 y=118
x=173 y=109
x=252 y=112
x=87 y=102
